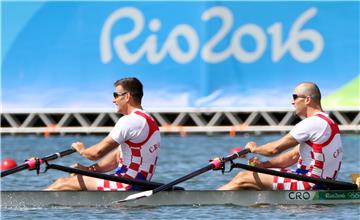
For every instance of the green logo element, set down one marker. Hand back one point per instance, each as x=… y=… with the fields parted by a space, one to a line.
x=346 y=96
x=338 y=195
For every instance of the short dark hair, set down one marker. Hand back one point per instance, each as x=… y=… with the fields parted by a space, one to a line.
x=311 y=89
x=133 y=86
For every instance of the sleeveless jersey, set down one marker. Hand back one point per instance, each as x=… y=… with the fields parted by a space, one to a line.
x=139 y=138
x=320 y=152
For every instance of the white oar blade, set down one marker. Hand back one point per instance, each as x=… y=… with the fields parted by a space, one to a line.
x=136 y=196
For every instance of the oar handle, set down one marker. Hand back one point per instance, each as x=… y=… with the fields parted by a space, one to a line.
x=236 y=155
x=30 y=164
x=59 y=154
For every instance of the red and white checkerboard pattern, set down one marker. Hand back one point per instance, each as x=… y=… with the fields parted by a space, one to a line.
x=318 y=155
x=281 y=183
x=135 y=168
x=106 y=185
x=316 y=169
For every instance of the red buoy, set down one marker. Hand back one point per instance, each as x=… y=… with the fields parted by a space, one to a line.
x=7 y=164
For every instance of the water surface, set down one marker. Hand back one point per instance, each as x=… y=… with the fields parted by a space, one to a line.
x=178 y=157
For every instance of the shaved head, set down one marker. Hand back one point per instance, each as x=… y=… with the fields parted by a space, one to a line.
x=309 y=89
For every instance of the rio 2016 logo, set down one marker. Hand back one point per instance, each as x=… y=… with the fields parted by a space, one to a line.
x=155 y=53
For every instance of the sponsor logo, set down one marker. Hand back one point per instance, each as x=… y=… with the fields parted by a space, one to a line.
x=339 y=195
x=154 y=52
x=335 y=196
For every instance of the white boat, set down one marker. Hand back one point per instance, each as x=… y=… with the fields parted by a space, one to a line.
x=18 y=199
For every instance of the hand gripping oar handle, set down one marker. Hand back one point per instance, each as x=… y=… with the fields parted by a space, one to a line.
x=215 y=164
x=33 y=162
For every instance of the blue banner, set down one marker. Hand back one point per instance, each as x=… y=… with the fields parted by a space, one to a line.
x=187 y=54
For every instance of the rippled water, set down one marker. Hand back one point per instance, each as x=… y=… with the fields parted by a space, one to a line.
x=178 y=157
x=190 y=212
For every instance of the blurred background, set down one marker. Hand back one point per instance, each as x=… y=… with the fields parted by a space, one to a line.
x=187 y=54
x=212 y=66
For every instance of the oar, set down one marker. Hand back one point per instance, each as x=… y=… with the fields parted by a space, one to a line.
x=32 y=163
x=140 y=183
x=331 y=184
x=215 y=164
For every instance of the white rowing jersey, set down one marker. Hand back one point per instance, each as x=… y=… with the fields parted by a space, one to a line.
x=139 y=140
x=321 y=149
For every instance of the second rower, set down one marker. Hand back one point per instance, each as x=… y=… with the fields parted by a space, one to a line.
x=314 y=144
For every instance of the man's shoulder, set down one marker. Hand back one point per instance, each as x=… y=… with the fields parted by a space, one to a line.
x=131 y=118
x=313 y=119
x=311 y=123
x=137 y=113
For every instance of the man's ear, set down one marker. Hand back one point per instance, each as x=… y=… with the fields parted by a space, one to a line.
x=308 y=99
x=127 y=97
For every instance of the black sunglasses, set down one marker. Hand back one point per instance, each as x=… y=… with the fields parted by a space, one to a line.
x=115 y=94
x=295 y=96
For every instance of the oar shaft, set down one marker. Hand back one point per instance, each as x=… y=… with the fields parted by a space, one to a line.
x=15 y=170
x=29 y=164
x=331 y=184
x=215 y=164
x=210 y=166
x=184 y=178
x=140 y=183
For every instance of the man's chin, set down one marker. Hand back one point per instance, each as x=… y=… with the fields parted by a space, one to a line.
x=297 y=113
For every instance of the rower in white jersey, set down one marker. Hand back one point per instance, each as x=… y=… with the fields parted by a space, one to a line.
x=314 y=144
x=132 y=147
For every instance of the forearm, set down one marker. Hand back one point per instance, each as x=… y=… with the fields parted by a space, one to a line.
x=275 y=147
x=97 y=151
x=109 y=163
x=268 y=149
x=101 y=168
x=284 y=160
x=276 y=163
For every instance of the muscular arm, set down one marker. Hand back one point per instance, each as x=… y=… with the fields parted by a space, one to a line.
x=108 y=163
x=275 y=147
x=98 y=150
x=284 y=160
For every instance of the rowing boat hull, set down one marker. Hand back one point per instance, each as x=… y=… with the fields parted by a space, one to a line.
x=192 y=197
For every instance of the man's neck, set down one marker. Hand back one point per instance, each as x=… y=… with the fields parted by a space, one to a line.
x=311 y=111
x=131 y=108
